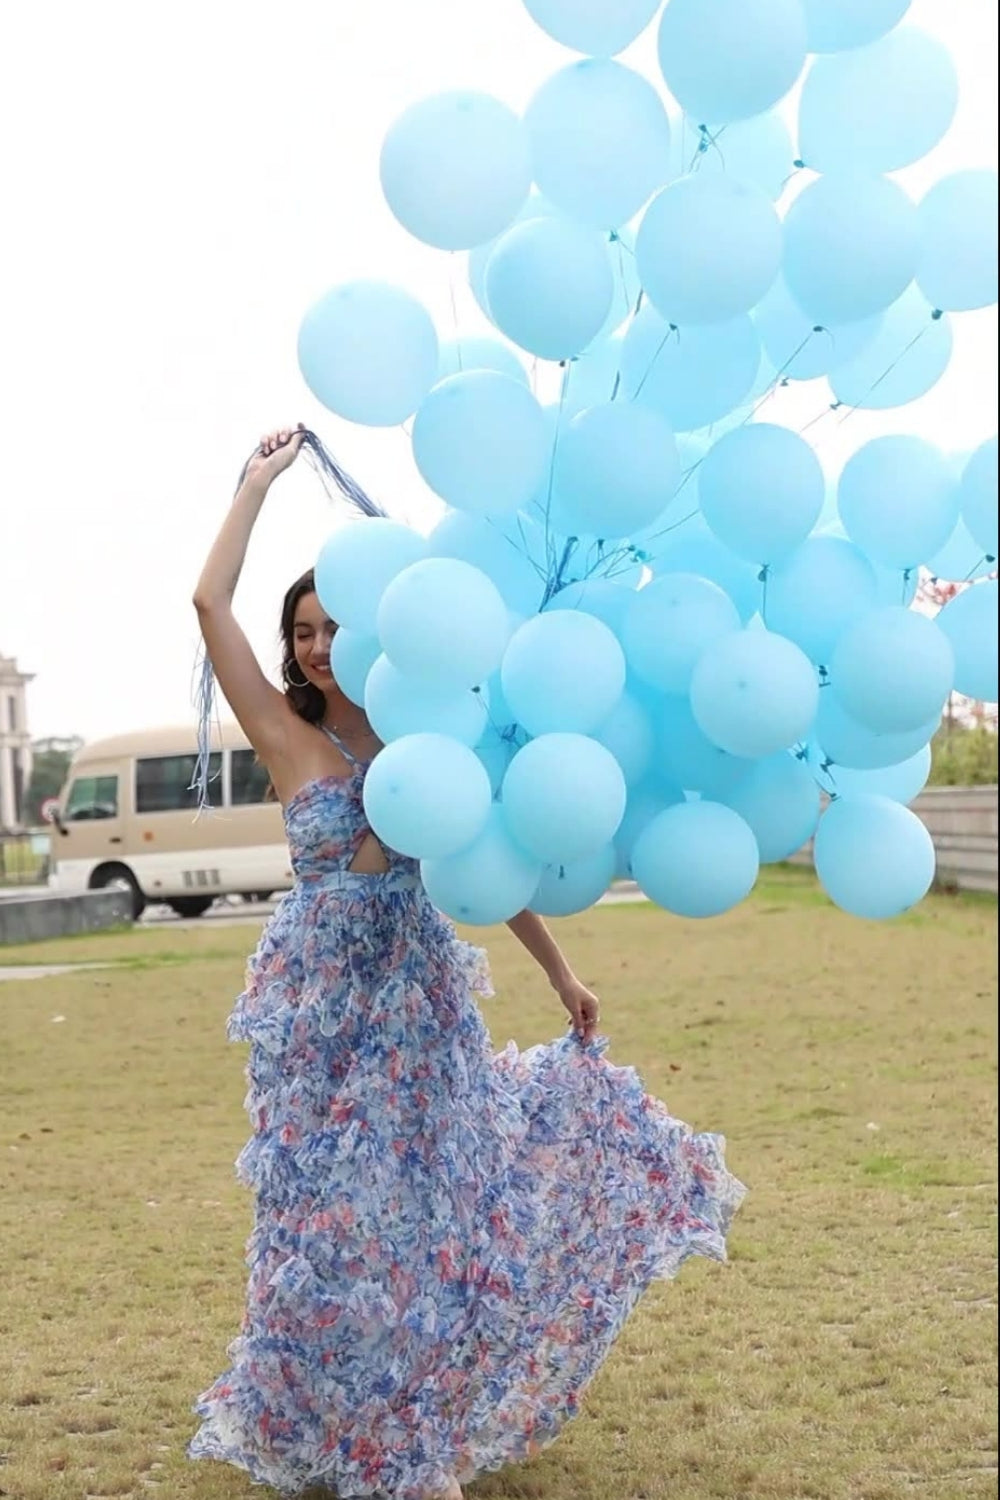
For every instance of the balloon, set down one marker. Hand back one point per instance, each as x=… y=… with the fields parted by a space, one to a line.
x=445 y=621
x=563 y=797
x=688 y=758
x=692 y=376
x=368 y=352
x=970 y=623
x=754 y=693
x=874 y=857
x=480 y=442
x=729 y=59
x=565 y=889
x=590 y=379
x=892 y=670
x=606 y=600
x=352 y=657
x=798 y=347
x=761 y=489
x=898 y=500
x=490 y=881
x=427 y=796
x=506 y=561
x=907 y=356
x=958 y=242
x=616 y=468
x=961 y=559
x=694 y=549
x=600 y=141
x=356 y=564
x=456 y=168
x=550 y=287
x=851 y=246
x=779 y=801
x=708 y=248
x=835 y=25
x=601 y=28
x=697 y=859
x=757 y=151
x=563 y=671
x=900 y=783
x=670 y=623
x=978 y=496
x=471 y=353
x=845 y=742
x=877 y=108
x=813 y=595
x=398 y=704
x=628 y=733
x=536 y=207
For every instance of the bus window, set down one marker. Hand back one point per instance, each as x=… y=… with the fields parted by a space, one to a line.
x=92 y=797
x=249 y=781
x=163 y=783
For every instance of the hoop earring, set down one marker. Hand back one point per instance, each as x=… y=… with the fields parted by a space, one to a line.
x=292 y=683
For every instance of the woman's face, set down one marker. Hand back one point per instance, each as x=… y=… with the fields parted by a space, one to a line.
x=312 y=634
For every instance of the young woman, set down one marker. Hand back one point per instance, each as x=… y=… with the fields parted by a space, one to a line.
x=446 y=1241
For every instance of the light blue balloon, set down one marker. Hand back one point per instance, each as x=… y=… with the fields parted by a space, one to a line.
x=961 y=559
x=563 y=671
x=600 y=141
x=892 y=670
x=670 y=623
x=628 y=733
x=901 y=783
x=754 y=693
x=368 y=351
x=445 y=621
x=356 y=564
x=550 y=286
x=693 y=376
x=958 y=241
x=695 y=549
x=589 y=380
x=877 y=108
x=566 y=889
x=480 y=442
x=896 y=586
x=601 y=28
x=698 y=859
x=427 y=796
x=757 y=151
x=496 y=750
x=970 y=623
x=851 y=247
x=845 y=742
x=688 y=758
x=708 y=248
x=645 y=802
x=563 y=797
x=780 y=801
x=874 y=858
x=729 y=59
x=907 y=356
x=482 y=353
x=978 y=496
x=797 y=346
x=761 y=489
x=398 y=704
x=898 y=500
x=352 y=657
x=535 y=207
x=507 y=560
x=490 y=881
x=616 y=468
x=608 y=600
x=456 y=168
x=813 y=595
x=836 y=25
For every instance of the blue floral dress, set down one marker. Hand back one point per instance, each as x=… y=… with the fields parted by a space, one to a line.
x=446 y=1240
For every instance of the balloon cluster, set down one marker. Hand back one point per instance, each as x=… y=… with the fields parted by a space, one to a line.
x=640 y=640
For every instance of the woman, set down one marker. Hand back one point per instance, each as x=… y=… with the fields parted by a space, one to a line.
x=446 y=1241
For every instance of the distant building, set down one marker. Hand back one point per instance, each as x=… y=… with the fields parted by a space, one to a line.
x=15 y=744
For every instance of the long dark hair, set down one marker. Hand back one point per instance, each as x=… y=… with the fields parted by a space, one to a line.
x=304 y=697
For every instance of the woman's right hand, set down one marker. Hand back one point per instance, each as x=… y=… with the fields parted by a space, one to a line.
x=277 y=452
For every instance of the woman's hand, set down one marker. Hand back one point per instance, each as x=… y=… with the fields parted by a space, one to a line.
x=583 y=1006
x=277 y=452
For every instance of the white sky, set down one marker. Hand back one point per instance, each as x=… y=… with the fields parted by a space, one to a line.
x=181 y=180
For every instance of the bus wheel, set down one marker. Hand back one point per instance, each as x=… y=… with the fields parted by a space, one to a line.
x=190 y=906
x=119 y=878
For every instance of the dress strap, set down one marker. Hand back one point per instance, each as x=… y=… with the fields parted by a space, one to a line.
x=352 y=760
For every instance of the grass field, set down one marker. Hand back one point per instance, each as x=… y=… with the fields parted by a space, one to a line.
x=848 y=1352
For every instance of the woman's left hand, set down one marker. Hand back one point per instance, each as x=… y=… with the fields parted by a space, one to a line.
x=583 y=1006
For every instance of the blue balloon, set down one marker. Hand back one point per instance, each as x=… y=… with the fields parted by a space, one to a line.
x=757 y=151
x=958 y=242
x=496 y=750
x=813 y=595
x=898 y=500
x=761 y=490
x=483 y=353
x=845 y=742
x=970 y=623
x=616 y=468
x=693 y=376
x=798 y=347
x=694 y=549
x=563 y=797
x=563 y=671
x=490 y=881
x=900 y=783
x=779 y=801
x=550 y=286
x=851 y=247
x=535 y=207
x=895 y=585
x=708 y=248
x=645 y=802
x=445 y=621
x=670 y=623
x=480 y=442
x=352 y=657
x=688 y=758
x=892 y=670
x=628 y=733
x=961 y=559
x=507 y=560
x=698 y=859
x=456 y=168
x=368 y=352
x=600 y=141
x=566 y=889
x=836 y=25
x=978 y=496
x=356 y=564
x=877 y=108
x=754 y=693
x=729 y=59
x=608 y=600
x=600 y=28
x=427 y=796
x=398 y=704
x=907 y=356
x=873 y=856
x=589 y=380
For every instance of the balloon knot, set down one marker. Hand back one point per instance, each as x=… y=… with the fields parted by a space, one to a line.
x=937 y=315
x=798 y=164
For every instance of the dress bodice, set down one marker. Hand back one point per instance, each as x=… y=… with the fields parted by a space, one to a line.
x=326 y=825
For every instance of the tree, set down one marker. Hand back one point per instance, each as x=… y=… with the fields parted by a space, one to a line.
x=50 y=763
